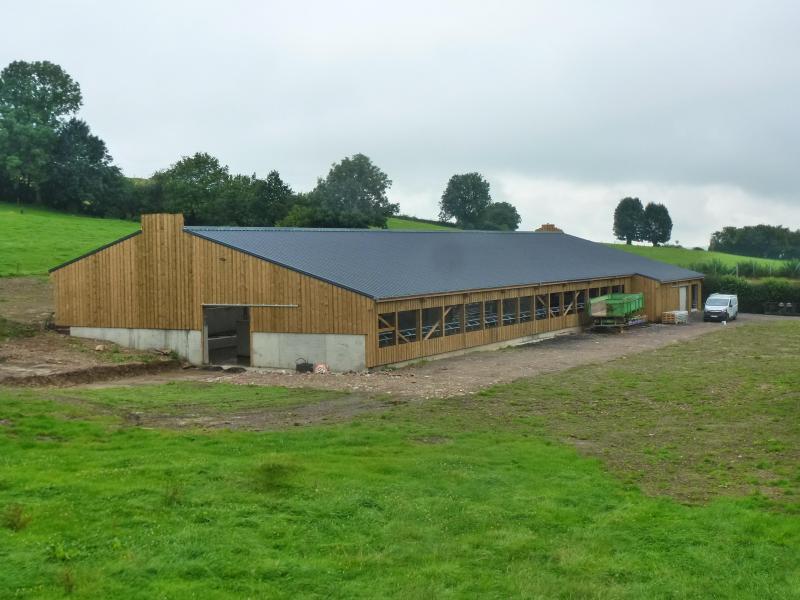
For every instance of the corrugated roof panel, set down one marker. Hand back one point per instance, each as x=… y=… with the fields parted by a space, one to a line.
x=393 y=264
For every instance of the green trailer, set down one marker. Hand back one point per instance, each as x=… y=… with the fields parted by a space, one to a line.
x=617 y=310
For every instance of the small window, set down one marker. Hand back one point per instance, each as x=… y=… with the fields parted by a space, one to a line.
x=473 y=319
x=432 y=323
x=604 y=291
x=541 y=307
x=594 y=292
x=490 y=317
x=453 y=318
x=525 y=309
x=580 y=300
x=617 y=289
x=694 y=296
x=407 y=326
x=555 y=305
x=510 y=306
x=569 y=303
x=386 y=330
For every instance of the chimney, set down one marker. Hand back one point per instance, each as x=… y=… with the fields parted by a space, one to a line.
x=549 y=228
x=161 y=222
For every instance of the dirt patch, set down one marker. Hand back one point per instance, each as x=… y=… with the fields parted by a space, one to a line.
x=26 y=299
x=91 y=374
x=50 y=358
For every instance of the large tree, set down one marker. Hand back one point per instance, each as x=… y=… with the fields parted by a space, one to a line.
x=628 y=220
x=657 y=224
x=81 y=175
x=465 y=199
x=273 y=201
x=192 y=186
x=500 y=216
x=353 y=194
x=35 y=100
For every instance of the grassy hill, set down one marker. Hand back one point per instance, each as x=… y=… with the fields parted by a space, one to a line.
x=401 y=223
x=38 y=239
x=684 y=257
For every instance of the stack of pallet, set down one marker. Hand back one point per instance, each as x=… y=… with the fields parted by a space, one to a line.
x=675 y=317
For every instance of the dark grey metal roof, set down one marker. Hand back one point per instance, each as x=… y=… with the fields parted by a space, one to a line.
x=394 y=264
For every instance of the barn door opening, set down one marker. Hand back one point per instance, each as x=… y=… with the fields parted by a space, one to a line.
x=226 y=332
x=682 y=293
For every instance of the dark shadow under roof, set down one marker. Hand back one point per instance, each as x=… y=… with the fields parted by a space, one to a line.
x=394 y=264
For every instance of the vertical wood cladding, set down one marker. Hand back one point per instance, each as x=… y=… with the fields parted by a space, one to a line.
x=160 y=279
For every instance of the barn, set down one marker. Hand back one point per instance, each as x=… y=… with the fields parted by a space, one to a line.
x=353 y=299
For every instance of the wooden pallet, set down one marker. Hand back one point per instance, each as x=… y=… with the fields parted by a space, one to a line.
x=675 y=317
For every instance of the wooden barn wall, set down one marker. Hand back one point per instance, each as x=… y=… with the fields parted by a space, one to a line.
x=161 y=278
x=662 y=297
x=468 y=339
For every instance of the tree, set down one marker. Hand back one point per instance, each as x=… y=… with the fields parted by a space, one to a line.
x=465 y=199
x=81 y=175
x=35 y=98
x=766 y=241
x=657 y=227
x=38 y=92
x=628 y=220
x=192 y=186
x=273 y=201
x=500 y=216
x=353 y=194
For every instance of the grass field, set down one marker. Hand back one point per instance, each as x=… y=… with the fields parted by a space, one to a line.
x=624 y=480
x=38 y=239
x=398 y=223
x=685 y=257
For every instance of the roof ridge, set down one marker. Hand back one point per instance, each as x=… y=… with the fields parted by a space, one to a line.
x=352 y=230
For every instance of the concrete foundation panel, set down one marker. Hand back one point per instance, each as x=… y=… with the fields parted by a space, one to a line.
x=185 y=343
x=281 y=350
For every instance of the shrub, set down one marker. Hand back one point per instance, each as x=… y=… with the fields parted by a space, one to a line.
x=752 y=296
x=15 y=518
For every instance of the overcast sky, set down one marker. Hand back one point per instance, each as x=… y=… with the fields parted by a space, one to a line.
x=565 y=107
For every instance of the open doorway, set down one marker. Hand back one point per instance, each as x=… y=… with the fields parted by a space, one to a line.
x=227 y=335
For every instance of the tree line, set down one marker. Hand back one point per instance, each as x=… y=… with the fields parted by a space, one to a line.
x=50 y=157
x=764 y=241
x=636 y=223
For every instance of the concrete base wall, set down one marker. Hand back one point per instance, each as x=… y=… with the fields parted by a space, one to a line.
x=281 y=350
x=528 y=339
x=186 y=343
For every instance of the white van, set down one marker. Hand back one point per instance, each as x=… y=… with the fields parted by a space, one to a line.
x=721 y=307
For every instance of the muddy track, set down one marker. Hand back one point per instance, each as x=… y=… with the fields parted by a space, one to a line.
x=91 y=374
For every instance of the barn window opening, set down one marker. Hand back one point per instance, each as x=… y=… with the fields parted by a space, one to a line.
x=617 y=289
x=594 y=292
x=541 y=307
x=510 y=308
x=604 y=291
x=473 y=318
x=453 y=319
x=387 y=330
x=407 y=326
x=490 y=318
x=694 y=296
x=555 y=304
x=432 y=323
x=525 y=309
x=569 y=303
x=580 y=300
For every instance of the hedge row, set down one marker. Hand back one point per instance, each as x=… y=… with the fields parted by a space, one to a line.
x=752 y=296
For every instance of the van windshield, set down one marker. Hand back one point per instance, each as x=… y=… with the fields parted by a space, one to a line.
x=717 y=302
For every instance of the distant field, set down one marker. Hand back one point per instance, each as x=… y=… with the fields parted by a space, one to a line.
x=398 y=223
x=37 y=239
x=684 y=257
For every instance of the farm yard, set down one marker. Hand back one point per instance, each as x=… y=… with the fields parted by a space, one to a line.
x=663 y=473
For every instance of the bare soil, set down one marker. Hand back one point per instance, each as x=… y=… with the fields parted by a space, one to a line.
x=26 y=299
